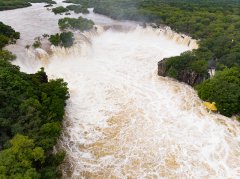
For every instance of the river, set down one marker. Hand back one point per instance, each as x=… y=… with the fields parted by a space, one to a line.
x=122 y=120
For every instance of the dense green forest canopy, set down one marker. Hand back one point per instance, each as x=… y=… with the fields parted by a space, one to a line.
x=215 y=23
x=59 y=10
x=78 y=9
x=31 y=114
x=224 y=89
x=80 y=23
x=7 y=35
x=14 y=4
x=64 y=39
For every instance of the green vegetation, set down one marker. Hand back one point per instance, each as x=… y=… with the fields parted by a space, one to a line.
x=14 y=4
x=6 y=55
x=31 y=113
x=59 y=10
x=224 y=89
x=187 y=61
x=85 y=3
x=43 y=1
x=78 y=9
x=37 y=44
x=64 y=39
x=81 y=24
x=215 y=23
x=7 y=35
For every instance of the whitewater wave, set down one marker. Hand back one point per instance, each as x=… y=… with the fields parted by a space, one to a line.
x=124 y=121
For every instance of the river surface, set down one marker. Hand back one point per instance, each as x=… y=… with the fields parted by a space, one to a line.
x=122 y=120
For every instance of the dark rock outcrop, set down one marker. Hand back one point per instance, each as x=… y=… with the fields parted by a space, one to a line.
x=190 y=77
x=187 y=76
x=162 y=67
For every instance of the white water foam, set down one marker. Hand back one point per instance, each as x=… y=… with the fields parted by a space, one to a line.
x=123 y=121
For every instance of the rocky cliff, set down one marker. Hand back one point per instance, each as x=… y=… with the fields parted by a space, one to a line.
x=187 y=76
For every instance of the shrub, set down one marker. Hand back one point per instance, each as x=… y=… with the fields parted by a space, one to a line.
x=81 y=24
x=37 y=44
x=224 y=90
x=78 y=9
x=59 y=10
x=64 y=39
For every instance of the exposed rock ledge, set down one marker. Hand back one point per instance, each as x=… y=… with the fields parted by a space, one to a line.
x=186 y=76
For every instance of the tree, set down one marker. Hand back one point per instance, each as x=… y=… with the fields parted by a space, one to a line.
x=55 y=39
x=18 y=160
x=3 y=41
x=224 y=90
x=81 y=23
x=78 y=9
x=31 y=109
x=59 y=10
x=67 y=39
x=6 y=55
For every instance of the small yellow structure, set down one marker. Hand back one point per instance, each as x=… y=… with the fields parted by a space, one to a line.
x=210 y=106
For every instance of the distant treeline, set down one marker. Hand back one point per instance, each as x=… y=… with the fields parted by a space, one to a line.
x=14 y=4
x=76 y=8
x=216 y=23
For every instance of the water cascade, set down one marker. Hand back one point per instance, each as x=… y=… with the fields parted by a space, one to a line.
x=122 y=120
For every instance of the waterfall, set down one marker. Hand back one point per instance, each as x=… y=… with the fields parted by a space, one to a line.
x=84 y=39
x=122 y=120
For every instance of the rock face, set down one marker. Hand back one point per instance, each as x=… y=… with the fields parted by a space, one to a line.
x=190 y=77
x=162 y=67
x=187 y=76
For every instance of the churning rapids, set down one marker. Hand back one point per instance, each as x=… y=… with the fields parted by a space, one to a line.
x=122 y=120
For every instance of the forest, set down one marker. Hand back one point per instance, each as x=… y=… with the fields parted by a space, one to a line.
x=31 y=114
x=14 y=4
x=78 y=9
x=75 y=8
x=32 y=108
x=215 y=23
x=66 y=38
x=80 y=23
x=59 y=10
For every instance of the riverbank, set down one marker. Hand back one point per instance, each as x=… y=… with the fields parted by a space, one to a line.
x=122 y=120
x=215 y=26
x=31 y=113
